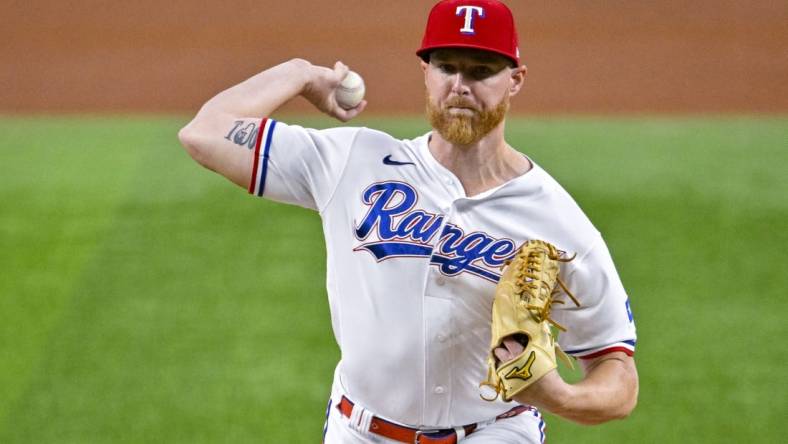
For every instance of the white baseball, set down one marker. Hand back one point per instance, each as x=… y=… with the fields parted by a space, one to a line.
x=351 y=91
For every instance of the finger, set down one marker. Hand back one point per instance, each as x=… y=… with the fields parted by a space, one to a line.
x=502 y=354
x=513 y=346
x=353 y=112
x=347 y=114
x=340 y=70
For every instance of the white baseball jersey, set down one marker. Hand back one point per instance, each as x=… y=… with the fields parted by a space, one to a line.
x=413 y=263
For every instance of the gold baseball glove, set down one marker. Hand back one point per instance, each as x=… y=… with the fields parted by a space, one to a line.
x=521 y=309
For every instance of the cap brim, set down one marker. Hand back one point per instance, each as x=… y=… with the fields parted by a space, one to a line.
x=427 y=49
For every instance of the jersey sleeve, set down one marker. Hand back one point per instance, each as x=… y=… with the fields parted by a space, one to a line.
x=297 y=165
x=603 y=323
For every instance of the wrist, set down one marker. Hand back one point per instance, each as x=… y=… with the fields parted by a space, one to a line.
x=550 y=393
x=306 y=73
x=561 y=401
x=300 y=69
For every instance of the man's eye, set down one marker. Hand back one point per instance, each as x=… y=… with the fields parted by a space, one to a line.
x=449 y=69
x=481 y=72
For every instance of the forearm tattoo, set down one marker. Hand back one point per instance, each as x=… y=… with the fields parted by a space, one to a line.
x=243 y=135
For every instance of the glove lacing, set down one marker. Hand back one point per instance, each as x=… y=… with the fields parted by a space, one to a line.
x=531 y=286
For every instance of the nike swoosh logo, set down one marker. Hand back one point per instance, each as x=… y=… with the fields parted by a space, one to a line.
x=387 y=161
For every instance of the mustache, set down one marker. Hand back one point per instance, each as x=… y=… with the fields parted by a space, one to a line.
x=459 y=102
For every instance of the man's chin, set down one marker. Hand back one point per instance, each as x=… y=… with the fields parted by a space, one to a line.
x=463 y=125
x=460 y=132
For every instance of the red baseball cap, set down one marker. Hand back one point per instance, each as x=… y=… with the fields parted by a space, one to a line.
x=479 y=24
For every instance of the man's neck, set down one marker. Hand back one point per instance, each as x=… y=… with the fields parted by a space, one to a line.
x=481 y=166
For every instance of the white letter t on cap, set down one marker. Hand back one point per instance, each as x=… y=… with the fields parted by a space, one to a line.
x=468 y=11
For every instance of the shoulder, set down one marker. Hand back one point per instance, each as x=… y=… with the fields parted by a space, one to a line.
x=567 y=223
x=370 y=136
x=346 y=135
x=368 y=142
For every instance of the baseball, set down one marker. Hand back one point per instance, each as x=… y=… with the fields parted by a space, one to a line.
x=351 y=91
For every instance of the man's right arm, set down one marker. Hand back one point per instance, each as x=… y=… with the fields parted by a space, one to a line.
x=220 y=135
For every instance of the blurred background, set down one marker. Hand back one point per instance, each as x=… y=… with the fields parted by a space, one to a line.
x=613 y=56
x=144 y=299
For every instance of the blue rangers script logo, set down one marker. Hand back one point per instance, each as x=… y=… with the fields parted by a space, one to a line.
x=405 y=232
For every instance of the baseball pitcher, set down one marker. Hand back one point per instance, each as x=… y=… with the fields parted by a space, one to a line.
x=459 y=271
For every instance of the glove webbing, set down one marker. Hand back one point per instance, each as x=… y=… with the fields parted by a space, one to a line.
x=529 y=284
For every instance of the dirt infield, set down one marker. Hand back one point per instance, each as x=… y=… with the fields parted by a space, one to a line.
x=612 y=57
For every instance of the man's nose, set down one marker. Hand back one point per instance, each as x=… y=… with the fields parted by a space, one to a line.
x=459 y=84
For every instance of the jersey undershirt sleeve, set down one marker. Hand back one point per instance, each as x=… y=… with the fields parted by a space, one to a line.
x=298 y=165
x=603 y=323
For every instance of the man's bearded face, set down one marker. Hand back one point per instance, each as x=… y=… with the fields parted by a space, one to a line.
x=465 y=128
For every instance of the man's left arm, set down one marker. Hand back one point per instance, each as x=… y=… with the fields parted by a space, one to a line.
x=608 y=391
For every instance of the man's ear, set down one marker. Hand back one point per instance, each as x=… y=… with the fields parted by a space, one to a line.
x=424 y=67
x=518 y=79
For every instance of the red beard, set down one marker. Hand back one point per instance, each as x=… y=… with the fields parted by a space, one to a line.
x=465 y=129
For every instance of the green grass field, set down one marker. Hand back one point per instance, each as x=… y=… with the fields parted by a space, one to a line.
x=143 y=299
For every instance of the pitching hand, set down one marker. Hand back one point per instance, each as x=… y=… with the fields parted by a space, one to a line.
x=321 y=91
